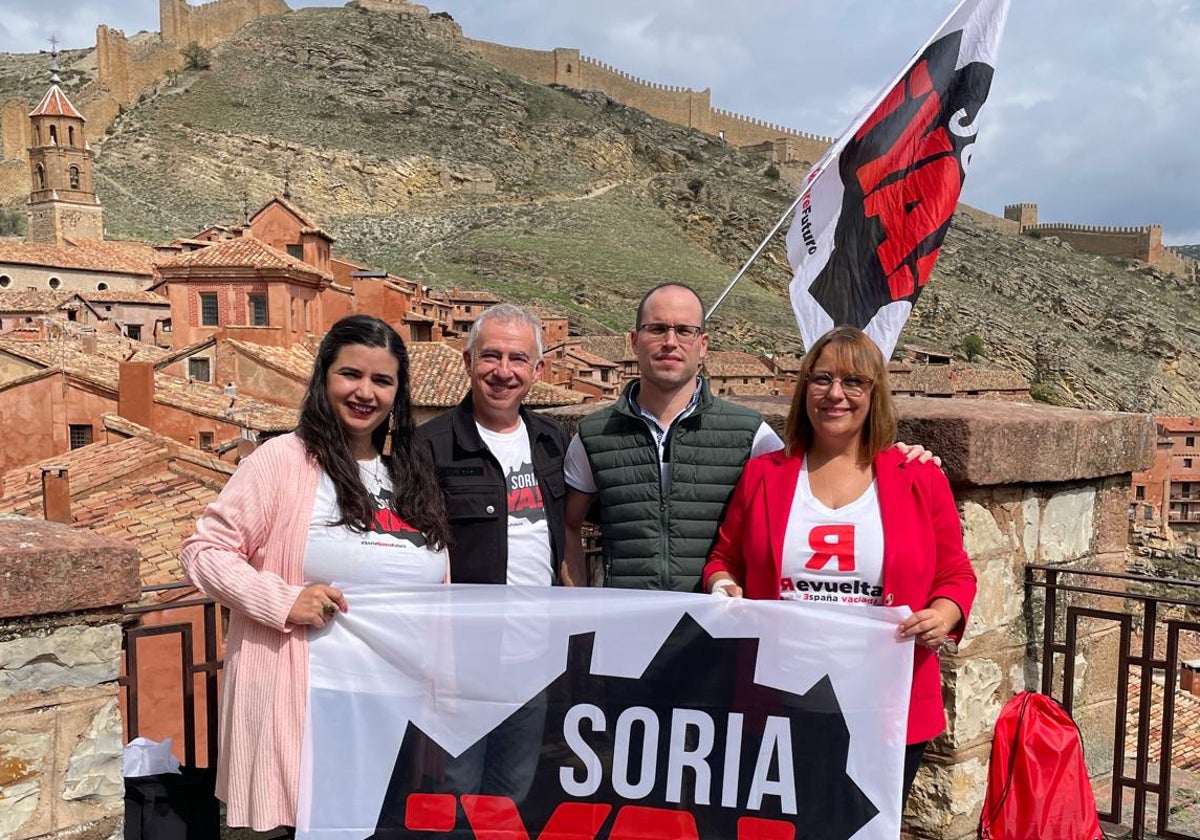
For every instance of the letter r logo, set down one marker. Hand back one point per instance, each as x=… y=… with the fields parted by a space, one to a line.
x=828 y=542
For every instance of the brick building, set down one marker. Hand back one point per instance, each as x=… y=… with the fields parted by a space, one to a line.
x=1168 y=493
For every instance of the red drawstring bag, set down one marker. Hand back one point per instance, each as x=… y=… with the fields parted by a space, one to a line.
x=1038 y=787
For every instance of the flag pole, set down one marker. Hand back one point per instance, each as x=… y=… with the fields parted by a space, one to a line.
x=833 y=150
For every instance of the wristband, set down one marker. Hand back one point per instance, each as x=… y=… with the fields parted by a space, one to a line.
x=720 y=586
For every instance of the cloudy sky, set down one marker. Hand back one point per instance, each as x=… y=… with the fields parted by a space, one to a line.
x=1092 y=113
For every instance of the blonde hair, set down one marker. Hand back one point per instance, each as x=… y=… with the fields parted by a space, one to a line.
x=854 y=353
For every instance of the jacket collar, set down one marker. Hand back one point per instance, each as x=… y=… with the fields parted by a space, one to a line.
x=466 y=433
x=627 y=402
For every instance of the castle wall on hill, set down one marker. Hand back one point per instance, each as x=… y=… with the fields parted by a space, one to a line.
x=182 y=23
x=1134 y=243
x=1177 y=263
x=680 y=105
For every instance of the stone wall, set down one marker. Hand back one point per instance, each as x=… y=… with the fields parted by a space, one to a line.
x=61 y=593
x=183 y=23
x=1034 y=484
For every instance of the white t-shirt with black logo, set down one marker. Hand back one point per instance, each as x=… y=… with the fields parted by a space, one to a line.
x=390 y=554
x=833 y=556
x=529 y=559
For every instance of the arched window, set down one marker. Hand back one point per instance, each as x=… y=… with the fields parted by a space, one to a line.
x=41 y=177
x=102 y=287
x=53 y=135
x=73 y=174
x=70 y=135
x=55 y=282
x=5 y=281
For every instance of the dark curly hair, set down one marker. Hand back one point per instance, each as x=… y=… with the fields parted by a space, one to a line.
x=416 y=497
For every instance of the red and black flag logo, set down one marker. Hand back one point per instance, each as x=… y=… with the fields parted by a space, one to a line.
x=877 y=208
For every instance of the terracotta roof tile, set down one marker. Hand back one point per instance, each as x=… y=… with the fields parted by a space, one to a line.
x=460 y=296
x=145 y=489
x=55 y=104
x=1179 y=424
x=243 y=252
x=438 y=380
x=134 y=258
x=613 y=347
x=724 y=363
x=130 y=296
x=296 y=361
x=587 y=358
x=33 y=300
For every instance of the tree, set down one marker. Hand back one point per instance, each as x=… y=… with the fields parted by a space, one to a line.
x=196 y=57
x=972 y=346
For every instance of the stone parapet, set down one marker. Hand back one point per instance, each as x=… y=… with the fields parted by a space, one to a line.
x=1035 y=485
x=61 y=593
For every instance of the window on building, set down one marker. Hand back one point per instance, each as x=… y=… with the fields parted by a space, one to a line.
x=102 y=287
x=199 y=370
x=41 y=177
x=55 y=282
x=1189 y=442
x=166 y=325
x=1139 y=492
x=72 y=314
x=258 y=310
x=206 y=440
x=53 y=135
x=1187 y=463
x=134 y=331
x=73 y=176
x=80 y=435
x=5 y=281
x=71 y=137
x=296 y=251
x=209 y=313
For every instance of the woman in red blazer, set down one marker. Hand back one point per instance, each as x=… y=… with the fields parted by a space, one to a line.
x=840 y=516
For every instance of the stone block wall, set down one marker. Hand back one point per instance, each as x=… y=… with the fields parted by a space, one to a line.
x=61 y=593
x=1034 y=484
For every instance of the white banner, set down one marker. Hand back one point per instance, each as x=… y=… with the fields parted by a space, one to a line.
x=505 y=713
x=866 y=235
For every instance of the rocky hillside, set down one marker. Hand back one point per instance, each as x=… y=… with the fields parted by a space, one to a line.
x=424 y=159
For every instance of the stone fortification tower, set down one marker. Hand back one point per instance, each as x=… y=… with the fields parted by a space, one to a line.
x=62 y=197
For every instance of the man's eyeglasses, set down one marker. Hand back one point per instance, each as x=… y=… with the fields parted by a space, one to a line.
x=852 y=386
x=685 y=333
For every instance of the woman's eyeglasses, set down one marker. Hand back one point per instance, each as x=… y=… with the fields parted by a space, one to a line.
x=852 y=386
x=684 y=333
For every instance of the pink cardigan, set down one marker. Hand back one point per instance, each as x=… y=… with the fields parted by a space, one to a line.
x=248 y=554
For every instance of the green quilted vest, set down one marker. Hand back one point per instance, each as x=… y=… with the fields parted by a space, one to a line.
x=653 y=540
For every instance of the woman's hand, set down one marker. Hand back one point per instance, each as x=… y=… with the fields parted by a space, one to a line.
x=317 y=605
x=723 y=583
x=917 y=452
x=931 y=626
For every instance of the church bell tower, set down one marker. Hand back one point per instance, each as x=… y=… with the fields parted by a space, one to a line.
x=62 y=197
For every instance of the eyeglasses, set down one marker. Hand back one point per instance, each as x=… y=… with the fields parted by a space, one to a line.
x=852 y=386
x=685 y=333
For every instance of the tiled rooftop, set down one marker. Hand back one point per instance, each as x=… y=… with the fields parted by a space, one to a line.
x=196 y=397
x=55 y=104
x=131 y=296
x=438 y=379
x=33 y=300
x=296 y=361
x=723 y=363
x=243 y=252
x=87 y=255
x=616 y=348
x=588 y=358
x=146 y=489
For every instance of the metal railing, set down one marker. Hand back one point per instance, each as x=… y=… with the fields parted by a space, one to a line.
x=209 y=623
x=1152 y=609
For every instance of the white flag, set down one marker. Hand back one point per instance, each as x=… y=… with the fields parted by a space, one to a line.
x=875 y=209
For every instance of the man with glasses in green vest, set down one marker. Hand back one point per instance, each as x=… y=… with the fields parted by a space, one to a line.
x=662 y=461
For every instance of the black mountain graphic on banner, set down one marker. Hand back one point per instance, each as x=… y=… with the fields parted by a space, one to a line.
x=692 y=677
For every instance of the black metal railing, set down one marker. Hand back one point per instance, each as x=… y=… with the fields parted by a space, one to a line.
x=146 y=621
x=1151 y=614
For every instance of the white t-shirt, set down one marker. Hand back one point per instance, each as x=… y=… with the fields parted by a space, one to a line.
x=833 y=555
x=529 y=560
x=577 y=469
x=391 y=554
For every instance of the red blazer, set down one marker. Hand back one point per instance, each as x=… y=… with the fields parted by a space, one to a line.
x=923 y=555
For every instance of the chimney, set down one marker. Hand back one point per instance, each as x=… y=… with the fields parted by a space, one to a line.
x=88 y=340
x=135 y=392
x=56 y=494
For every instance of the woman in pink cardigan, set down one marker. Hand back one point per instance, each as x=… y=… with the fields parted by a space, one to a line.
x=838 y=516
x=348 y=497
